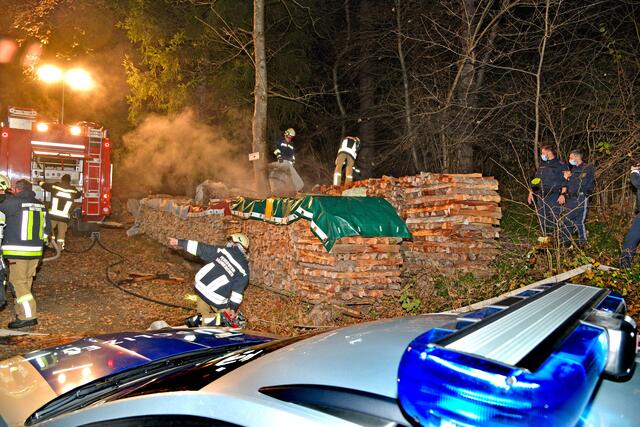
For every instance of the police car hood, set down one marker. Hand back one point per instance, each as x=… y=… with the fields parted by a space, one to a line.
x=29 y=381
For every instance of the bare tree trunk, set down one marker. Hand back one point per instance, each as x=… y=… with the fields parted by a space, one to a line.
x=259 y=124
x=366 y=87
x=336 y=88
x=405 y=85
x=536 y=138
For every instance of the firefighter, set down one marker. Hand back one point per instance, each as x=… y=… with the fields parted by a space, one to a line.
x=62 y=196
x=632 y=239
x=27 y=229
x=5 y=184
x=286 y=159
x=220 y=284
x=580 y=182
x=346 y=159
x=550 y=188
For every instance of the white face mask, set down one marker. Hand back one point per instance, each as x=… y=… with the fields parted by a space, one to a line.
x=544 y=157
x=573 y=162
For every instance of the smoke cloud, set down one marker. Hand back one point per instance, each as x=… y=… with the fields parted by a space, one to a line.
x=172 y=155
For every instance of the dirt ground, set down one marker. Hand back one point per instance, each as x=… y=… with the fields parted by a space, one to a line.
x=74 y=298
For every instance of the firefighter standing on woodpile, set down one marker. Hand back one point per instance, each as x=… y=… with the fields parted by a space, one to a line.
x=62 y=196
x=26 y=231
x=550 y=188
x=220 y=284
x=346 y=159
x=286 y=158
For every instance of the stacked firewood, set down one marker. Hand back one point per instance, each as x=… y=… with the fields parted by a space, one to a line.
x=453 y=218
x=357 y=270
x=211 y=229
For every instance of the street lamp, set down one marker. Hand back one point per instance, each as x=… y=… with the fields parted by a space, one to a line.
x=76 y=78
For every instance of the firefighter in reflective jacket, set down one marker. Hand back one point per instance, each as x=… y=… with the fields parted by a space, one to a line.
x=62 y=196
x=27 y=230
x=5 y=184
x=346 y=159
x=220 y=284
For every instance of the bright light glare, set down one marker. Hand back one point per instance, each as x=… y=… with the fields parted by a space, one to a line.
x=79 y=79
x=75 y=130
x=42 y=127
x=49 y=73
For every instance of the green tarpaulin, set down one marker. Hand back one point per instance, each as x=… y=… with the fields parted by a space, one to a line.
x=330 y=217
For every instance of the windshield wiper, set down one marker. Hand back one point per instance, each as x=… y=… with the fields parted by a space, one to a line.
x=103 y=387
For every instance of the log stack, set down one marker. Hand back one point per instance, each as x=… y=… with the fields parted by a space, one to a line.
x=453 y=218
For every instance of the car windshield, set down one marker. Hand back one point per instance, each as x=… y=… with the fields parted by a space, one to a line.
x=190 y=371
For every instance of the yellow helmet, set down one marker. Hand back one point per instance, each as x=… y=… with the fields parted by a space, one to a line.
x=241 y=239
x=290 y=132
x=5 y=183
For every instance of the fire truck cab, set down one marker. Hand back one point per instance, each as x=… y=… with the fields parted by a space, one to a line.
x=40 y=151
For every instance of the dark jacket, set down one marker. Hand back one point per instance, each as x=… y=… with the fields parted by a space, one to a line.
x=220 y=283
x=62 y=197
x=635 y=181
x=552 y=177
x=28 y=226
x=582 y=180
x=284 y=151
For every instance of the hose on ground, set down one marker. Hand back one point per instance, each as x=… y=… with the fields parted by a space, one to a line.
x=115 y=283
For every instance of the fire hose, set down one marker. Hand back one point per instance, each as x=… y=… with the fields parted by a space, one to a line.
x=118 y=284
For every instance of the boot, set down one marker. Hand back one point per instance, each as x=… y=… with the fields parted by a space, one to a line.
x=18 y=323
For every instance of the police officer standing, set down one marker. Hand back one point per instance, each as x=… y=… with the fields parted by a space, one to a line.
x=346 y=159
x=632 y=239
x=62 y=196
x=550 y=188
x=580 y=183
x=25 y=234
x=220 y=284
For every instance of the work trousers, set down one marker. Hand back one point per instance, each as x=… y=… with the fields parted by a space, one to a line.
x=21 y=274
x=343 y=161
x=549 y=212
x=631 y=241
x=575 y=219
x=59 y=232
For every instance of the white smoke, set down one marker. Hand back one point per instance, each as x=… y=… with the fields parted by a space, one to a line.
x=172 y=154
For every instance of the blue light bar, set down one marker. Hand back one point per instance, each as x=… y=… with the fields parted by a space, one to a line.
x=437 y=385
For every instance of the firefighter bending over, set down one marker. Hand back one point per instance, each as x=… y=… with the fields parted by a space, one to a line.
x=220 y=284
x=346 y=160
x=25 y=234
x=62 y=196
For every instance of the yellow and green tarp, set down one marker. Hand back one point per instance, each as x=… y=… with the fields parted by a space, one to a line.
x=330 y=217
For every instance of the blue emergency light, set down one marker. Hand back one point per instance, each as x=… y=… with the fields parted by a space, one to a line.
x=535 y=362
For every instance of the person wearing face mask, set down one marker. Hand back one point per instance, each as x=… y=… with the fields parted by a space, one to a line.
x=550 y=191
x=219 y=284
x=580 y=183
x=632 y=239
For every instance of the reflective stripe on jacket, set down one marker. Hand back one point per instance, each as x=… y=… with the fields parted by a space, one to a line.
x=27 y=226
x=61 y=200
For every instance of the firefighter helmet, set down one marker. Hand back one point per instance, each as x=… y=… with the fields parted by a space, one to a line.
x=290 y=133
x=240 y=239
x=5 y=183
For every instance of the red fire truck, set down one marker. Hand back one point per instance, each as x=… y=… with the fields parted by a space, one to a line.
x=40 y=151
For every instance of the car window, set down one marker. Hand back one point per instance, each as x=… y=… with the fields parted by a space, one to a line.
x=199 y=376
x=161 y=420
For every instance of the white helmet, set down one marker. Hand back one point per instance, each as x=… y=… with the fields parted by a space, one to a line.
x=240 y=239
x=290 y=132
x=5 y=183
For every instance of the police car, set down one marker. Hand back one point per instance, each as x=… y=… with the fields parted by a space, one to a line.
x=555 y=355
